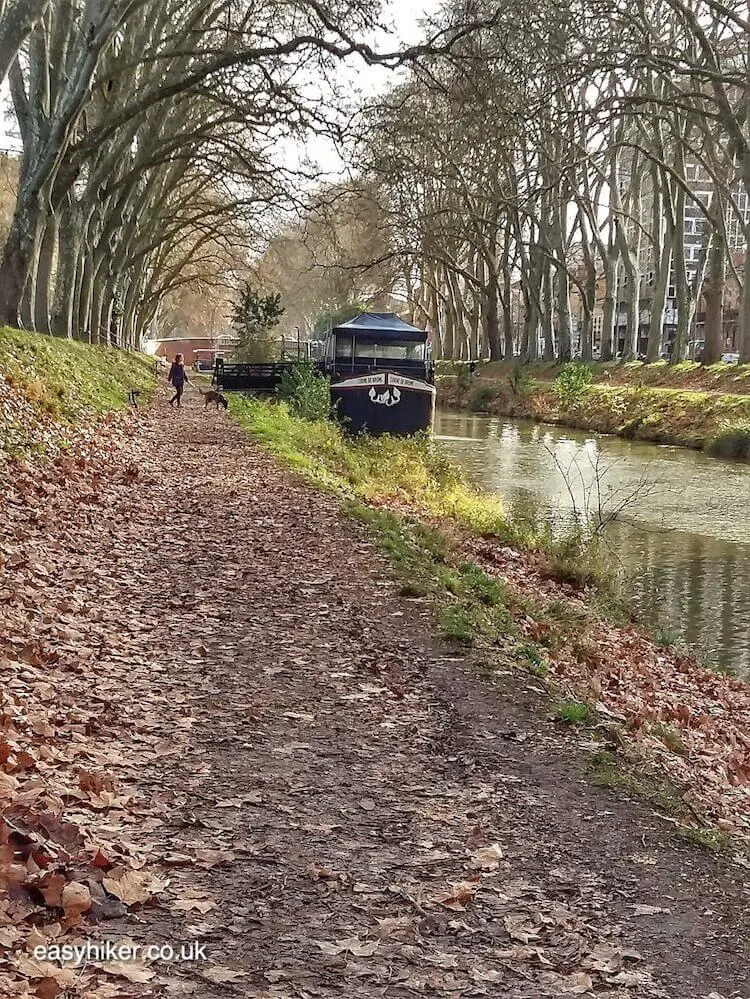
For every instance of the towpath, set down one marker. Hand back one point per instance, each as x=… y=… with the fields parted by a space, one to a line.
x=285 y=765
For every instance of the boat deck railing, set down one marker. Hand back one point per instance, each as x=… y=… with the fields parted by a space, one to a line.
x=245 y=376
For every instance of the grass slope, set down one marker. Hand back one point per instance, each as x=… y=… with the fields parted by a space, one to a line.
x=49 y=385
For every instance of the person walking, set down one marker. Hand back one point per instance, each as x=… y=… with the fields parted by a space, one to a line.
x=177 y=377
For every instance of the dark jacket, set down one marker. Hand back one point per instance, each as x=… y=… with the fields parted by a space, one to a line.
x=177 y=374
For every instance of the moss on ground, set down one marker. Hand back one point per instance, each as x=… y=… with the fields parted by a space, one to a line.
x=613 y=771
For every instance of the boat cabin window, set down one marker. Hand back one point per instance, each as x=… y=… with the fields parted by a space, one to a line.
x=406 y=350
x=343 y=346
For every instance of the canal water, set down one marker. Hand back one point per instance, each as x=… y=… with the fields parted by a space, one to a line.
x=683 y=533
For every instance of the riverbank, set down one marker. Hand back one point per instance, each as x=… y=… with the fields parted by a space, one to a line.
x=244 y=733
x=667 y=728
x=711 y=421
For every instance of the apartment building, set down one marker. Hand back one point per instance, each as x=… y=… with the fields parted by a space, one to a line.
x=696 y=232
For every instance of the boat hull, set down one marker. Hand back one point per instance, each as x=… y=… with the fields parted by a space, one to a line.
x=384 y=403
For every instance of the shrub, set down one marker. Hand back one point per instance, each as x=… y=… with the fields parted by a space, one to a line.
x=521 y=382
x=307 y=392
x=732 y=441
x=463 y=377
x=481 y=397
x=572 y=384
x=460 y=625
x=531 y=657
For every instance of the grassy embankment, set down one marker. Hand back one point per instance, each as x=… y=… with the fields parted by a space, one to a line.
x=706 y=409
x=49 y=386
x=518 y=602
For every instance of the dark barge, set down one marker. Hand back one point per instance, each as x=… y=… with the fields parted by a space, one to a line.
x=382 y=376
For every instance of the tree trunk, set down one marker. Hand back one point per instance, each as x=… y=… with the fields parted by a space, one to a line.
x=491 y=321
x=610 y=308
x=69 y=240
x=43 y=282
x=632 y=305
x=663 y=238
x=563 y=315
x=684 y=300
x=548 y=329
x=713 y=296
x=14 y=267
x=85 y=293
x=744 y=345
x=508 y=316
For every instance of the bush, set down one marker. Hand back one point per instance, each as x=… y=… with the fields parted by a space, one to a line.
x=521 y=382
x=481 y=397
x=307 y=392
x=732 y=441
x=572 y=384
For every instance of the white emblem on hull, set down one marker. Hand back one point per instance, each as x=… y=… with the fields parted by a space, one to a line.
x=391 y=396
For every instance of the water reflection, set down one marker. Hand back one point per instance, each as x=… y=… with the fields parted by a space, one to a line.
x=684 y=539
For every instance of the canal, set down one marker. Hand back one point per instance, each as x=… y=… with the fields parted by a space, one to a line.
x=683 y=534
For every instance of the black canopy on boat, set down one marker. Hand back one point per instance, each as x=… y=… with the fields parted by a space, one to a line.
x=386 y=325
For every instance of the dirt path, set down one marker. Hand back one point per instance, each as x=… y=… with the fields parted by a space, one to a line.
x=339 y=805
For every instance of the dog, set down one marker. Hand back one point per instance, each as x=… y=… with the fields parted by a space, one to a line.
x=213 y=395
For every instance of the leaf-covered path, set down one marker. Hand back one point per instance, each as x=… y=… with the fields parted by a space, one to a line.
x=265 y=749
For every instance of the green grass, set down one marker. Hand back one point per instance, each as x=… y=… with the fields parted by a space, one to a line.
x=460 y=624
x=574 y=712
x=470 y=605
x=64 y=382
x=606 y=769
x=532 y=658
x=669 y=736
x=71 y=379
x=715 y=840
x=395 y=470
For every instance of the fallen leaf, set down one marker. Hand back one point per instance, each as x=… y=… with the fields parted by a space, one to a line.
x=460 y=893
x=48 y=988
x=194 y=905
x=76 y=899
x=648 y=910
x=491 y=976
x=350 y=945
x=132 y=970
x=520 y=927
x=219 y=973
x=51 y=889
x=488 y=858
x=578 y=983
x=132 y=887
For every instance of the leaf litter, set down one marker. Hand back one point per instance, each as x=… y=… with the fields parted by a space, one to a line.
x=150 y=679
